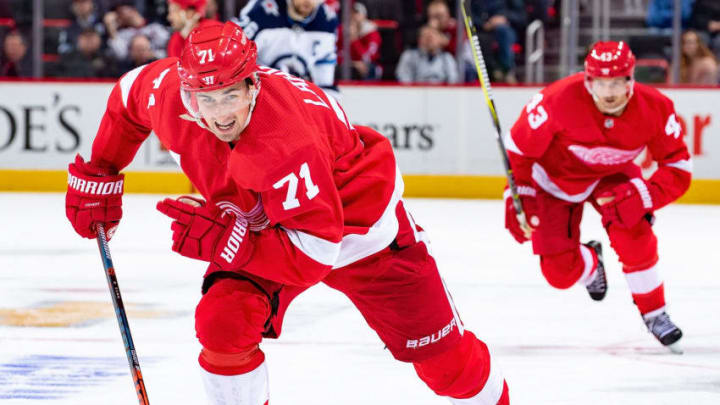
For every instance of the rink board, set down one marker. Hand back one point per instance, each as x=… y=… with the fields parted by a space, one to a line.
x=443 y=136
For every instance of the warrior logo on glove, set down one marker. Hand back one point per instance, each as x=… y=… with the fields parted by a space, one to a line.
x=204 y=232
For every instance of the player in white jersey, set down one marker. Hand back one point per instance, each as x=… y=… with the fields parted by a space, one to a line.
x=294 y=36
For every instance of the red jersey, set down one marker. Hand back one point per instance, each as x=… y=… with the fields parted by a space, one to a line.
x=366 y=47
x=565 y=145
x=328 y=190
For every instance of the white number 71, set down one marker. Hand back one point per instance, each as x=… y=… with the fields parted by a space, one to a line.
x=291 y=179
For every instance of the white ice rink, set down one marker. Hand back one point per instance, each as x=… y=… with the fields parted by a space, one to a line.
x=556 y=347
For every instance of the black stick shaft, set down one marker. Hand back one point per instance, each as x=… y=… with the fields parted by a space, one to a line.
x=120 y=314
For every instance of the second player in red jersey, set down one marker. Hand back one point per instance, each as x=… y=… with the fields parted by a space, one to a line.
x=293 y=194
x=575 y=142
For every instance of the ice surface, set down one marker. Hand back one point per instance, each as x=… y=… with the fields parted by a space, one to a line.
x=556 y=347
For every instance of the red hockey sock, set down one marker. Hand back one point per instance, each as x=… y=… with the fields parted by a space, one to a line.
x=464 y=371
x=650 y=301
x=231 y=363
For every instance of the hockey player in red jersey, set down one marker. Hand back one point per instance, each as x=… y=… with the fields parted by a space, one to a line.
x=575 y=142
x=293 y=194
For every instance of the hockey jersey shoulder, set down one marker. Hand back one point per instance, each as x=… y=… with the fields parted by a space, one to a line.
x=324 y=19
x=283 y=132
x=544 y=115
x=561 y=96
x=258 y=15
x=652 y=100
x=142 y=87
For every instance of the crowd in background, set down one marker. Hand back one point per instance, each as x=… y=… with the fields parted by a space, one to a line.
x=411 y=41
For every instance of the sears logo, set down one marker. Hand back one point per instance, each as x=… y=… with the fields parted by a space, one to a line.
x=407 y=137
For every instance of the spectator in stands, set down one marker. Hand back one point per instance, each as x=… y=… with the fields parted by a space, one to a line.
x=698 y=65
x=140 y=52
x=212 y=11
x=295 y=36
x=660 y=14
x=124 y=22
x=86 y=59
x=13 y=61
x=85 y=16
x=428 y=63
x=706 y=19
x=184 y=15
x=502 y=19
x=438 y=15
x=364 y=45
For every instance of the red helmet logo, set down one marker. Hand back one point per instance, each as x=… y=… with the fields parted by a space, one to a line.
x=610 y=59
x=216 y=56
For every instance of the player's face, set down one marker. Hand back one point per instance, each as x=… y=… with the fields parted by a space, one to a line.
x=611 y=93
x=304 y=7
x=225 y=110
x=176 y=16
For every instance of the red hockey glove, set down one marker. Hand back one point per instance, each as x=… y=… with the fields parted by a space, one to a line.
x=94 y=196
x=626 y=204
x=206 y=233
x=527 y=197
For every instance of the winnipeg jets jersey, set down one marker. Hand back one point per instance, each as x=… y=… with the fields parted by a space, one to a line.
x=305 y=49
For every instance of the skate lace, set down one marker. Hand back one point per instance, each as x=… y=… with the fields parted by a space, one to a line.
x=661 y=325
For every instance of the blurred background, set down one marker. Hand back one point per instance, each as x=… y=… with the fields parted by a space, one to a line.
x=404 y=67
x=524 y=41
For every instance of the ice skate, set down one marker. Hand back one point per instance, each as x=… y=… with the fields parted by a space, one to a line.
x=598 y=288
x=665 y=331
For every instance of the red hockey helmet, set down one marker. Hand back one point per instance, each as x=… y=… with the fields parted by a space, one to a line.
x=216 y=56
x=610 y=59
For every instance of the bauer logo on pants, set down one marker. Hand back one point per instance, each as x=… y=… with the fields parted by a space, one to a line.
x=434 y=338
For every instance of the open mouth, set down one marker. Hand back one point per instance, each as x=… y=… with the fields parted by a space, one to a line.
x=225 y=127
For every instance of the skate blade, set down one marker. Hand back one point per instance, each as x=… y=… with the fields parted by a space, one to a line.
x=675 y=348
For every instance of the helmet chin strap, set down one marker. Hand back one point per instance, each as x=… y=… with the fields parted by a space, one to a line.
x=596 y=99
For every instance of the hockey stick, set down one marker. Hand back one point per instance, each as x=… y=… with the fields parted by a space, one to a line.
x=120 y=314
x=487 y=92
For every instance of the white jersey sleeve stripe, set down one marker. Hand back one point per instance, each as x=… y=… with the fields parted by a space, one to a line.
x=543 y=180
x=379 y=235
x=127 y=81
x=510 y=144
x=353 y=247
x=686 y=165
x=318 y=249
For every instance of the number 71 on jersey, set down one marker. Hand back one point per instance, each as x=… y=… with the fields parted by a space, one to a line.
x=291 y=180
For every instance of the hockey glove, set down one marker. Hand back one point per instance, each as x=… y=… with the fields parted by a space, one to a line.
x=625 y=205
x=207 y=233
x=529 y=205
x=94 y=196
